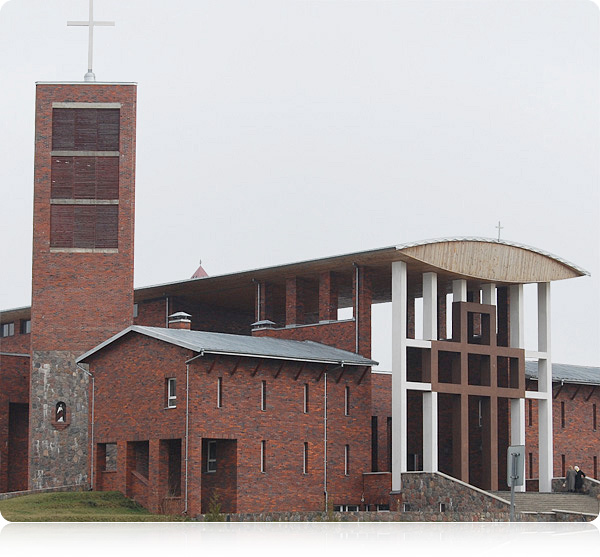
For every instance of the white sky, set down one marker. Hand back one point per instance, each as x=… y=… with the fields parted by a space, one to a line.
x=277 y=131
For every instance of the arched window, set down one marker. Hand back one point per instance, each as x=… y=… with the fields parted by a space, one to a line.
x=61 y=412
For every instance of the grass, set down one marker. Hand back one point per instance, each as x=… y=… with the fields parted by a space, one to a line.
x=87 y=506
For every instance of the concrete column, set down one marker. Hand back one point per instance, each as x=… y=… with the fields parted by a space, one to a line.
x=546 y=454
x=459 y=290
x=399 y=398
x=517 y=426
x=430 y=432
x=517 y=328
x=429 y=306
x=488 y=294
x=430 y=399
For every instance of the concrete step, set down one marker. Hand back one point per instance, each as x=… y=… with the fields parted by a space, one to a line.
x=548 y=502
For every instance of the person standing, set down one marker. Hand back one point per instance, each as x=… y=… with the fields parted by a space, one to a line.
x=579 y=479
x=571 y=476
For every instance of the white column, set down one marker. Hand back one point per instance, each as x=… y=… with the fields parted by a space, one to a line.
x=459 y=290
x=517 y=329
x=546 y=455
x=517 y=426
x=429 y=306
x=517 y=340
x=399 y=399
x=488 y=294
x=430 y=431
x=430 y=399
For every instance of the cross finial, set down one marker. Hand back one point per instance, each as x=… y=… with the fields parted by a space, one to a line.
x=499 y=229
x=89 y=76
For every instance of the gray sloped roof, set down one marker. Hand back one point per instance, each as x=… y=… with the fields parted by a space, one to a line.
x=585 y=375
x=242 y=345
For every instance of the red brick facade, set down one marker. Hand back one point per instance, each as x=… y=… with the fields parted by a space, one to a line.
x=249 y=476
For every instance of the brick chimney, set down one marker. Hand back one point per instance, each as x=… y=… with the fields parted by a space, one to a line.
x=180 y=320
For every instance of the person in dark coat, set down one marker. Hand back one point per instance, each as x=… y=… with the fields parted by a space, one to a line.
x=579 y=479
x=571 y=475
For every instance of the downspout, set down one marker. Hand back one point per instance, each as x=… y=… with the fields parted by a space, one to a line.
x=325 y=442
x=92 y=427
x=187 y=428
x=356 y=305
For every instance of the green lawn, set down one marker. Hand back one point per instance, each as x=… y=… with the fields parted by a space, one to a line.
x=86 y=506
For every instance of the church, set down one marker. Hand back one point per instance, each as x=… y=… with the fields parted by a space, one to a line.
x=255 y=389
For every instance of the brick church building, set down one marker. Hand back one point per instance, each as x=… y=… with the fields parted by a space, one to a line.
x=251 y=387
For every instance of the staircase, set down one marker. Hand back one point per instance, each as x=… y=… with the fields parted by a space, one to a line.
x=547 y=502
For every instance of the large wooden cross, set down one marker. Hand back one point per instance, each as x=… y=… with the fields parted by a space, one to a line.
x=89 y=76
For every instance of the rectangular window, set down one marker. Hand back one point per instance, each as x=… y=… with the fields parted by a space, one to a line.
x=305 y=398
x=374 y=445
x=347 y=401
x=136 y=310
x=263 y=395
x=305 y=459
x=219 y=392
x=84 y=226
x=594 y=418
x=389 y=443
x=530 y=412
x=8 y=330
x=531 y=465
x=211 y=456
x=562 y=414
x=25 y=326
x=171 y=393
x=263 y=456
x=595 y=467
x=85 y=129
x=563 y=465
x=346 y=460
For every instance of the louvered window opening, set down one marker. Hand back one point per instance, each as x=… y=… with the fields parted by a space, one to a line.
x=90 y=176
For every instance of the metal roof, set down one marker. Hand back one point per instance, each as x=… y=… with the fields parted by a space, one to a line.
x=242 y=345
x=583 y=375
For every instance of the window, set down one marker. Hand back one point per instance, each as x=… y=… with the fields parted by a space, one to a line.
x=347 y=401
x=305 y=459
x=442 y=507
x=263 y=395
x=25 y=326
x=594 y=418
x=382 y=508
x=8 y=330
x=374 y=445
x=562 y=414
x=345 y=508
x=136 y=310
x=171 y=396
x=305 y=398
x=346 y=460
x=219 y=392
x=263 y=456
x=531 y=465
x=530 y=412
x=563 y=465
x=211 y=456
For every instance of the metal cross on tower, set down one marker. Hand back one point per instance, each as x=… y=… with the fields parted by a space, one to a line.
x=499 y=229
x=89 y=76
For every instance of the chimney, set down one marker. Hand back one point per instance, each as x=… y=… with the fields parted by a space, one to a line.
x=180 y=320
x=264 y=324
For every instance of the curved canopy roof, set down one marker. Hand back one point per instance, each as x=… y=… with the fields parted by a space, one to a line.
x=490 y=260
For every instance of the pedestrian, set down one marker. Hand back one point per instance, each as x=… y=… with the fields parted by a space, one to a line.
x=571 y=476
x=579 y=479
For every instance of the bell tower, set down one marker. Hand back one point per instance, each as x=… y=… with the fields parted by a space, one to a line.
x=82 y=287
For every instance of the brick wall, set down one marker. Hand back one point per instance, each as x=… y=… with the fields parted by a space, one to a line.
x=14 y=395
x=130 y=406
x=80 y=296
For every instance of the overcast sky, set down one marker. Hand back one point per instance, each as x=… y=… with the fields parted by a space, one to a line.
x=276 y=131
